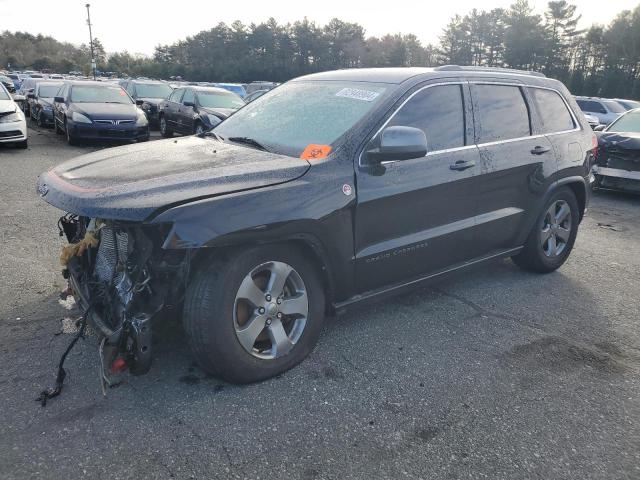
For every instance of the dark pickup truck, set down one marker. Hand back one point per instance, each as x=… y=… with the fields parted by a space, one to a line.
x=333 y=189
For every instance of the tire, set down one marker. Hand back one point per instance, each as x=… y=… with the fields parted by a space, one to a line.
x=212 y=315
x=165 y=131
x=545 y=256
x=39 y=121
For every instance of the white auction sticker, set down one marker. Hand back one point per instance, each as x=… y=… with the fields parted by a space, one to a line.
x=356 y=93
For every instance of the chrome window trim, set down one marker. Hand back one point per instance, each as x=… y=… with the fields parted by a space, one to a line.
x=477 y=145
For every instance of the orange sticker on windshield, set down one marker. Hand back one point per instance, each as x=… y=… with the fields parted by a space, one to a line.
x=315 y=152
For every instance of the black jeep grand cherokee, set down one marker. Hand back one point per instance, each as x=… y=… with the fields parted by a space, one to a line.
x=332 y=189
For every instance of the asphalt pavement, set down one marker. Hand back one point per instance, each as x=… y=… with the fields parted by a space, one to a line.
x=497 y=374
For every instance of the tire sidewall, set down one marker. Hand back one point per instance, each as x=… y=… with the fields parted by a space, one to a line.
x=225 y=355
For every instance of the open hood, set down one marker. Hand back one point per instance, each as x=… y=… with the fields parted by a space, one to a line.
x=133 y=182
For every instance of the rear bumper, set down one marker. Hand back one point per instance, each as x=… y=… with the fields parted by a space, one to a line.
x=616 y=172
x=13 y=132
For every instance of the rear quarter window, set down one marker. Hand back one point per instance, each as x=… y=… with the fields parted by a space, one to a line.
x=502 y=113
x=591 y=106
x=553 y=111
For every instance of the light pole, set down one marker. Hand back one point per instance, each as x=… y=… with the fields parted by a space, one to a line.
x=93 y=59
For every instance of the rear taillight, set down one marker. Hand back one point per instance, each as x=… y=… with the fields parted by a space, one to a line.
x=594 y=145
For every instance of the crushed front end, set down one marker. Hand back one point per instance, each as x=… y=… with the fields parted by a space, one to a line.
x=122 y=280
x=618 y=162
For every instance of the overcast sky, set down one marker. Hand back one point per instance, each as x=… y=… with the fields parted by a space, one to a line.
x=139 y=25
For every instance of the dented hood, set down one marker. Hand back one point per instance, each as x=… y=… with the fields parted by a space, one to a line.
x=132 y=182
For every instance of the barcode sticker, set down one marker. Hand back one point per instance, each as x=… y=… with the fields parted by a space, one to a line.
x=357 y=94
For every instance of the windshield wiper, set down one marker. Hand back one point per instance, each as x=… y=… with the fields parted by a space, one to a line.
x=248 y=141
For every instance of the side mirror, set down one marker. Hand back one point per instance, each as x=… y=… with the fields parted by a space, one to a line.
x=600 y=128
x=58 y=99
x=189 y=104
x=399 y=143
x=139 y=102
x=31 y=95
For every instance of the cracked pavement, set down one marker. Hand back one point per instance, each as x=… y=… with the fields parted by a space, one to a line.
x=496 y=373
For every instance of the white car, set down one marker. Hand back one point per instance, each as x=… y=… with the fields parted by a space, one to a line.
x=13 y=126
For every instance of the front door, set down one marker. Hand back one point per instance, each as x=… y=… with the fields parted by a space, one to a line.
x=417 y=216
x=185 y=115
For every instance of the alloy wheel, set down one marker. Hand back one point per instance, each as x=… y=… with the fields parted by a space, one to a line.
x=270 y=310
x=556 y=229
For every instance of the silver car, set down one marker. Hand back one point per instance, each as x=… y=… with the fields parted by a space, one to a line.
x=604 y=109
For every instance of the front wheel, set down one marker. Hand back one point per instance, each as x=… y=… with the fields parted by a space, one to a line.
x=553 y=235
x=199 y=130
x=255 y=314
x=165 y=131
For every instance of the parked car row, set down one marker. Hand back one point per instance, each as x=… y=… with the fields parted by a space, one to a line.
x=13 y=127
x=604 y=110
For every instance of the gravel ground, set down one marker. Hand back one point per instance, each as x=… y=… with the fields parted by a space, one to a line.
x=496 y=374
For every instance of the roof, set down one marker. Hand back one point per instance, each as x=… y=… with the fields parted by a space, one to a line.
x=202 y=88
x=398 y=75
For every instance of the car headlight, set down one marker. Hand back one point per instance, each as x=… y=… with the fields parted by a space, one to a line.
x=80 y=118
x=146 y=106
x=213 y=120
x=142 y=118
x=16 y=116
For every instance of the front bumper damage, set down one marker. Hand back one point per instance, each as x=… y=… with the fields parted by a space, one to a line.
x=618 y=163
x=123 y=281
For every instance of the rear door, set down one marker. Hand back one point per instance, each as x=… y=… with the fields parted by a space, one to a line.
x=416 y=216
x=515 y=164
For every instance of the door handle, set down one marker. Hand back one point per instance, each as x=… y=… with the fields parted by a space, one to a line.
x=539 y=150
x=462 y=164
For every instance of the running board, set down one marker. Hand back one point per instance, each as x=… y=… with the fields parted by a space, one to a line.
x=398 y=288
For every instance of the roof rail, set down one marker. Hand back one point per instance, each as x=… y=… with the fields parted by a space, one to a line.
x=458 y=68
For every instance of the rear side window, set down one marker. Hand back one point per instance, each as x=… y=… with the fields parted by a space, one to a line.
x=591 y=106
x=502 y=112
x=554 y=114
x=439 y=112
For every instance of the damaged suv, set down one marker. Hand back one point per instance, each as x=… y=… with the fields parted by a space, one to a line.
x=333 y=189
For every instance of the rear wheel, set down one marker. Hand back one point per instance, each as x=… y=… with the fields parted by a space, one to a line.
x=255 y=314
x=553 y=235
x=165 y=131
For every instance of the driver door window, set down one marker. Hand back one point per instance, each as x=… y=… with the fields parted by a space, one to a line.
x=439 y=112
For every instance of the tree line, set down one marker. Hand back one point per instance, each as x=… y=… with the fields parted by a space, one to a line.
x=600 y=60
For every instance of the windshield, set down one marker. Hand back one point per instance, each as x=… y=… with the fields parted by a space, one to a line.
x=614 y=107
x=153 y=90
x=299 y=114
x=219 y=100
x=48 y=90
x=626 y=123
x=3 y=93
x=99 y=94
x=629 y=104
